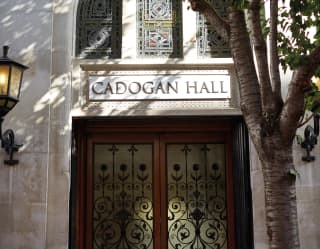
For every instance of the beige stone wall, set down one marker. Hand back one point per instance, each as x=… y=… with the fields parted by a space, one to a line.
x=308 y=195
x=27 y=27
x=34 y=196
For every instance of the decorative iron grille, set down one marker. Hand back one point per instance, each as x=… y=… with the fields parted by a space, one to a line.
x=122 y=209
x=196 y=196
x=99 y=31
x=159 y=28
x=123 y=196
x=210 y=43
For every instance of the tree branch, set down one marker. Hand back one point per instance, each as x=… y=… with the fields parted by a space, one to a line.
x=306 y=121
x=248 y=82
x=260 y=52
x=293 y=108
x=274 y=58
x=205 y=8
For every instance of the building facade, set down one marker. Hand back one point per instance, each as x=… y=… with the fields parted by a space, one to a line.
x=132 y=133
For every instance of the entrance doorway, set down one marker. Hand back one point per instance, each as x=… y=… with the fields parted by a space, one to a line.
x=155 y=184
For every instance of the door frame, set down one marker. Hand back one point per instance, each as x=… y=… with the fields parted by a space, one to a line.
x=240 y=228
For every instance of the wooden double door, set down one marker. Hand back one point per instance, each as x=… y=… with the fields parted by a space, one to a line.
x=155 y=185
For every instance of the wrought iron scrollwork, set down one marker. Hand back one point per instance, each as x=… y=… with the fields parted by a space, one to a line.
x=123 y=210
x=197 y=205
x=123 y=213
x=99 y=25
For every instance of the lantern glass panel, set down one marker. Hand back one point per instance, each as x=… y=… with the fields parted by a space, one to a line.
x=2 y=102
x=4 y=75
x=16 y=74
x=11 y=104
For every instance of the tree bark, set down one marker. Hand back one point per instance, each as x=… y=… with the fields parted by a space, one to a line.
x=250 y=98
x=280 y=194
x=274 y=58
x=261 y=57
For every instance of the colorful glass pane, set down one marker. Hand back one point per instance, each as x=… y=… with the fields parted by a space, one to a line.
x=99 y=29
x=159 y=28
x=210 y=43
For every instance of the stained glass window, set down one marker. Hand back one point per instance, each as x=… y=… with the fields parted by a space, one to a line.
x=159 y=28
x=99 y=29
x=210 y=43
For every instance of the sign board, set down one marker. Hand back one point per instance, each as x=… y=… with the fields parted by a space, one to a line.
x=160 y=87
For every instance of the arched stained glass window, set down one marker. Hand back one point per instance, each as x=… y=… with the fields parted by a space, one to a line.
x=99 y=29
x=159 y=28
x=210 y=43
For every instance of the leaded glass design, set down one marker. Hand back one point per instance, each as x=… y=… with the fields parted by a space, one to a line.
x=210 y=43
x=196 y=181
x=159 y=28
x=99 y=31
x=122 y=198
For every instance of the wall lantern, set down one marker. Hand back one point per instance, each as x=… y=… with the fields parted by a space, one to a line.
x=11 y=73
x=310 y=138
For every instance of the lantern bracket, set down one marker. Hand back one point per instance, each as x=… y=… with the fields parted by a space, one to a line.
x=9 y=145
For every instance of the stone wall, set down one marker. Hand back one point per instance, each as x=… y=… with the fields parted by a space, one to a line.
x=26 y=26
x=34 y=196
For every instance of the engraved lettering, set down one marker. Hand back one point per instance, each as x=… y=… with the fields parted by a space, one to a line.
x=193 y=86
x=182 y=86
x=204 y=87
x=171 y=87
x=214 y=87
x=134 y=87
x=222 y=87
x=98 y=87
x=147 y=87
x=160 y=87
x=121 y=87
x=108 y=89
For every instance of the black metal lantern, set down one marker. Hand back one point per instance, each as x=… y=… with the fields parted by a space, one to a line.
x=11 y=73
x=310 y=138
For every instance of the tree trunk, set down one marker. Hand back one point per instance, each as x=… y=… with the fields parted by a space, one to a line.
x=280 y=194
x=271 y=125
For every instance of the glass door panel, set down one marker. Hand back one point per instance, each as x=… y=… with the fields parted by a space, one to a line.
x=122 y=196
x=196 y=196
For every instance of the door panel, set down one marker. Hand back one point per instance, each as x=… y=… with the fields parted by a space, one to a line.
x=196 y=200
x=122 y=196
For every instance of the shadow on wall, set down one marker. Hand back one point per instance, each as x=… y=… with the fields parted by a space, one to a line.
x=26 y=27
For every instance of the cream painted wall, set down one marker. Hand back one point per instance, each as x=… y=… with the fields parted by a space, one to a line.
x=34 y=196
